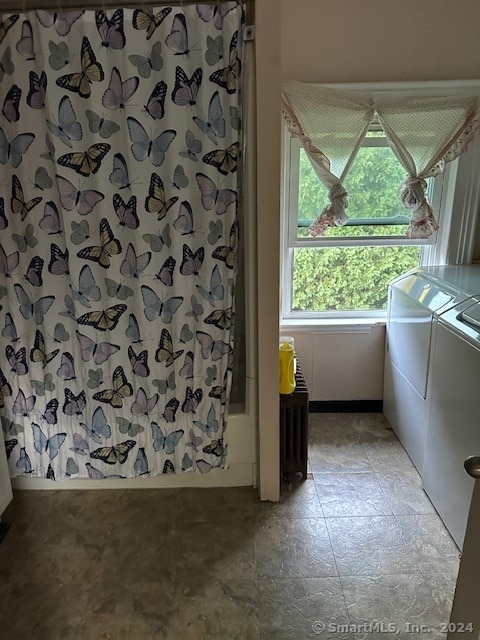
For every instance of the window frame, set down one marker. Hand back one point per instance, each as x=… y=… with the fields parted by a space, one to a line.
x=435 y=250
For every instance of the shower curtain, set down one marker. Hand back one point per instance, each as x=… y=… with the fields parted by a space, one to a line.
x=119 y=155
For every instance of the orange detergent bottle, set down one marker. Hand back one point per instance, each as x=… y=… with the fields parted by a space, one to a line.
x=287 y=364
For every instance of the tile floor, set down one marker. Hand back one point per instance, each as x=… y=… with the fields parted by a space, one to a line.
x=357 y=543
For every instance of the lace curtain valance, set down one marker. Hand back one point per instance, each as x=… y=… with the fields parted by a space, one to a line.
x=424 y=134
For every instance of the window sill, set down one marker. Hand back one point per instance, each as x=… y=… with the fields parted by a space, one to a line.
x=331 y=325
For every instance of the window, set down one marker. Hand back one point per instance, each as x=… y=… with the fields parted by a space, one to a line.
x=346 y=272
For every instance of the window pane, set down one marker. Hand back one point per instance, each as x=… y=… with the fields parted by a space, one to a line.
x=347 y=278
x=372 y=184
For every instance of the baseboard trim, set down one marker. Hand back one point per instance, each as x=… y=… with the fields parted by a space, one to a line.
x=345 y=406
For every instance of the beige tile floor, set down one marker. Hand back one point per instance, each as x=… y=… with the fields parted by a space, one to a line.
x=356 y=544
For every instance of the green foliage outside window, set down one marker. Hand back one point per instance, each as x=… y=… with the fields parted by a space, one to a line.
x=352 y=278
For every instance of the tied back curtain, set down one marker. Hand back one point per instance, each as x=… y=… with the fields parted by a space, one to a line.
x=119 y=147
x=423 y=133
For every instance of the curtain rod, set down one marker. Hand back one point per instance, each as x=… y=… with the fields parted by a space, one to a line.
x=20 y=6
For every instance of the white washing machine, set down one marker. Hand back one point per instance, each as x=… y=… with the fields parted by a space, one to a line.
x=415 y=298
x=453 y=431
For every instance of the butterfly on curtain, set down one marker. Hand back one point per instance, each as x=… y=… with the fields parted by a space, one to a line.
x=50 y=222
x=196 y=310
x=14 y=149
x=32 y=308
x=193 y=146
x=225 y=160
x=35 y=271
x=80 y=447
x=49 y=153
x=228 y=253
x=94 y=473
x=177 y=40
x=5 y=389
x=104 y=320
x=211 y=348
x=9 y=263
x=10 y=109
x=217 y=13
x=6 y=65
x=72 y=198
x=121 y=389
x=180 y=179
x=80 y=231
x=92 y=71
x=214 y=126
x=58 y=265
x=194 y=442
x=42 y=180
x=192 y=261
x=99 y=124
x=99 y=351
x=165 y=384
x=170 y=410
x=141 y=463
x=24 y=463
x=60 y=334
x=130 y=428
x=119 y=176
x=139 y=363
x=6 y=23
x=215 y=290
x=74 y=405
x=156 y=201
x=38 y=353
x=212 y=197
x=118 y=290
x=184 y=222
x=165 y=273
x=187 y=369
x=132 y=265
x=68 y=127
x=50 y=413
x=43 y=444
x=85 y=162
x=133 y=330
x=143 y=146
x=126 y=212
x=186 y=89
x=158 y=240
x=71 y=468
x=99 y=428
x=228 y=76
x=43 y=385
x=215 y=448
x=145 y=19
x=146 y=64
x=66 y=370
x=192 y=400
x=17 y=360
x=119 y=92
x=143 y=406
x=185 y=334
x=10 y=446
x=59 y=55
x=155 y=106
x=214 y=52
x=211 y=426
x=25 y=239
x=155 y=307
x=87 y=288
x=220 y=318
x=62 y=20
x=38 y=89
x=18 y=203
x=25 y=45
x=69 y=309
x=22 y=405
x=102 y=253
x=111 y=29
x=112 y=455
x=9 y=331
x=165 y=352
x=167 y=442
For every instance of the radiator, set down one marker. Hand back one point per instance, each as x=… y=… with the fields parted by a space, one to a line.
x=294 y=428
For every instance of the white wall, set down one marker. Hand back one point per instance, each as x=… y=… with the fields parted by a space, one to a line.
x=359 y=41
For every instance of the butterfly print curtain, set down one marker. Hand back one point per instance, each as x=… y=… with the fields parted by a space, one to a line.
x=119 y=154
